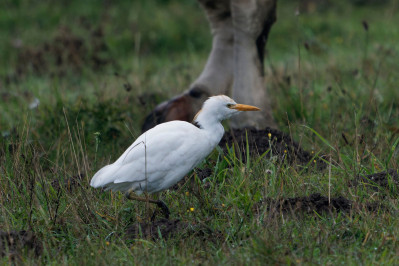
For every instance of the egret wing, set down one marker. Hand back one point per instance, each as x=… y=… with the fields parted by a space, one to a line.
x=155 y=154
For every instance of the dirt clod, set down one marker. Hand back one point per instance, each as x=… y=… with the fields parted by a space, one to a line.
x=166 y=228
x=383 y=179
x=315 y=203
x=260 y=141
x=13 y=242
x=203 y=173
x=307 y=204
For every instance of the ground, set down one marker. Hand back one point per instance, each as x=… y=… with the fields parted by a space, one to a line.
x=79 y=77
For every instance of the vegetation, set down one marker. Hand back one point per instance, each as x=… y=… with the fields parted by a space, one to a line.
x=98 y=68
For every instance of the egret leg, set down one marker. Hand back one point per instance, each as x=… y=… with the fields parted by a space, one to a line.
x=130 y=195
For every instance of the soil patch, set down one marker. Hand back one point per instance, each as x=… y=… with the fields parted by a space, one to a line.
x=276 y=142
x=65 y=52
x=385 y=179
x=203 y=173
x=313 y=203
x=166 y=228
x=12 y=243
x=307 y=204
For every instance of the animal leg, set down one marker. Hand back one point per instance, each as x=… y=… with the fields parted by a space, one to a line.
x=252 y=20
x=217 y=75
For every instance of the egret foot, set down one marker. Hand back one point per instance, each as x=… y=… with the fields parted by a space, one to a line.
x=164 y=210
x=130 y=195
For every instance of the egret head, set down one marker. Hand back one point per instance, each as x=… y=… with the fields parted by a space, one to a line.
x=220 y=108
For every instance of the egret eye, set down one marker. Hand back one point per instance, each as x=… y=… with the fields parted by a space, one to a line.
x=230 y=105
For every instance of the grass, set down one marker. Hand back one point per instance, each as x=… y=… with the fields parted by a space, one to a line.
x=327 y=75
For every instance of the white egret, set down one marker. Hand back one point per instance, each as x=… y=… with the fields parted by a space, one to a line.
x=163 y=155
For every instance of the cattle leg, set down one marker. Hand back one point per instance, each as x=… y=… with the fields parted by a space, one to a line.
x=252 y=20
x=239 y=30
x=216 y=77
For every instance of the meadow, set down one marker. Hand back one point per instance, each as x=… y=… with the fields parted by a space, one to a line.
x=77 y=79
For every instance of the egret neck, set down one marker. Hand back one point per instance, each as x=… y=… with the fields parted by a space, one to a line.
x=210 y=124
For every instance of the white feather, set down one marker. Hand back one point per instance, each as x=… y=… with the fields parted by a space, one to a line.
x=161 y=157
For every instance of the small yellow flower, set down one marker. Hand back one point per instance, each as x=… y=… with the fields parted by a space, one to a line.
x=187 y=193
x=269 y=135
x=312 y=152
x=192 y=209
x=107 y=243
x=285 y=151
x=314 y=161
x=223 y=205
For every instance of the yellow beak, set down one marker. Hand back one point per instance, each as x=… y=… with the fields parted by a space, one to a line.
x=244 y=107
